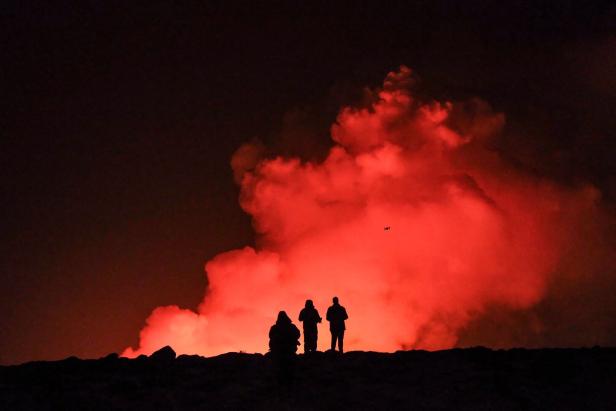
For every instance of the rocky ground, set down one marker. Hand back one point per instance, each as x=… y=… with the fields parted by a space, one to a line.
x=461 y=379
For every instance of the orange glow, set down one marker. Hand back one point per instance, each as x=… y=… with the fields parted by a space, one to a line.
x=465 y=230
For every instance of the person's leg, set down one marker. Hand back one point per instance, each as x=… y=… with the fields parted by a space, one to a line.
x=333 y=340
x=314 y=341
x=308 y=341
x=341 y=341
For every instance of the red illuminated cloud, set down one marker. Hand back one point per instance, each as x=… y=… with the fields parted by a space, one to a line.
x=466 y=231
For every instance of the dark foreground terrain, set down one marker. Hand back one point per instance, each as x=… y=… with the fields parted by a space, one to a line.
x=461 y=379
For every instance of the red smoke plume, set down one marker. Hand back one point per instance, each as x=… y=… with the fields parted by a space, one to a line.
x=465 y=231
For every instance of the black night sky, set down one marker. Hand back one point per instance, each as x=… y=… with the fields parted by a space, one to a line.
x=118 y=124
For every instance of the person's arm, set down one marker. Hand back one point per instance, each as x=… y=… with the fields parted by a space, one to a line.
x=345 y=314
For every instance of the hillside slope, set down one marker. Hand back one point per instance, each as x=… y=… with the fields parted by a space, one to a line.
x=466 y=379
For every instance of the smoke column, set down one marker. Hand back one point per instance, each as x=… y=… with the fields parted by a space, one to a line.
x=411 y=220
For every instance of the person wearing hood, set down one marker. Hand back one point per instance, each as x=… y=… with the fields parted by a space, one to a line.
x=309 y=316
x=283 y=342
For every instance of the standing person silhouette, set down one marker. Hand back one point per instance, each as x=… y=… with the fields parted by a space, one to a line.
x=336 y=314
x=310 y=317
x=283 y=342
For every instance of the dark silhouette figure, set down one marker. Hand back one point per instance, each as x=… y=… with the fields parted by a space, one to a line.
x=283 y=342
x=336 y=314
x=310 y=317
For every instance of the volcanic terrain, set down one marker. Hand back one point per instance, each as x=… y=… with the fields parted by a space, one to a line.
x=463 y=379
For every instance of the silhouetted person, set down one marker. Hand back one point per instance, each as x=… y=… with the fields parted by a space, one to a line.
x=283 y=342
x=310 y=317
x=336 y=314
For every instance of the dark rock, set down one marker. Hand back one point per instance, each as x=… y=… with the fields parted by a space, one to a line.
x=189 y=357
x=111 y=357
x=71 y=360
x=165 y=354
x=189 y=360
x=461 y=379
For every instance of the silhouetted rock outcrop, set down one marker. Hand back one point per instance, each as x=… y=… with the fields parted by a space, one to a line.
x=165 y=354
x=461 y=379
x=111 y=357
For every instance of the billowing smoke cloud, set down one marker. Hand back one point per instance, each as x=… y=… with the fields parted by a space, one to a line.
x=411 y=220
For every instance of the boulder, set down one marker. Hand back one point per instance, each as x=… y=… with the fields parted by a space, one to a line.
x=165 y=354
x=111 y=357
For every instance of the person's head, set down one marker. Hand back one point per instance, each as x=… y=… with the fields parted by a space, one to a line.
x=309 y=304
x=283 y=318
x=335 y=300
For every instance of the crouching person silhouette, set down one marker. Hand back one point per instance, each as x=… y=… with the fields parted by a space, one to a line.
x=336 y=314
x=283 y=342
x=310 y=317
